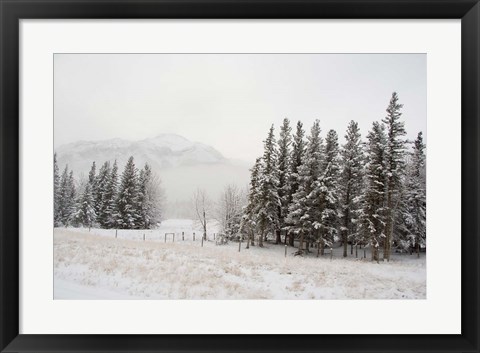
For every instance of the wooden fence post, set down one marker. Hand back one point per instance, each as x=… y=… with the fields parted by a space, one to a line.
x=193 y=236
x=165 y=237
x=143 y=236
x=174 y=237
x=202 y=242
x=183 y=236
x=239 y=245
x=285 y=250
x=116 y=230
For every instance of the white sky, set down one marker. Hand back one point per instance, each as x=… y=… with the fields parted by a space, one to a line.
x=229 y=101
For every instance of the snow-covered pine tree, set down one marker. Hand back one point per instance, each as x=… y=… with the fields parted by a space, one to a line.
x=92 y=180
x=395 y=167
x=145 y=199
x=141 y=212
x=372 y=216
x=351 y=177
x=283 y=168
x=268 y=200
x=56 y=193
x=85 y=212
x=127 y=198
x=415 y=196
x=296 y=160
x=325 y=194
x=303 y=208
x=63 y=198
x=110 y=198
x=155 y=198
x=102 y=180
x=249 y=218
x=71 y=195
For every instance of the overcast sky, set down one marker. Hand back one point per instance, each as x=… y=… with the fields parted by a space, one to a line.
x=229 y=101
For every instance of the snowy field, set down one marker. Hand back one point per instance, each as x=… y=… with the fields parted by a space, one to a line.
x=96 y=265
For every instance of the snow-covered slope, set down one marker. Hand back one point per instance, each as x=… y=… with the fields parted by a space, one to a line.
x=181 y=164
x=163 y=151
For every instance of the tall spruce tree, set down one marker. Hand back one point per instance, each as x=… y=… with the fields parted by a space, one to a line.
x=283 y=168
x=304 y=206
x=56 y=192
x=395 y=166
x=127 y=209
x=71 y=197
x=268 y=200
x=109 y=200
x=372 y=216
x=101 y=202
x=145 y=200
x=249 y=219
x=85 y=211
x=298 y=151
x=351 y=177
x=325 y=194
x=92 y=180
x=415 y=196
x=63 y=198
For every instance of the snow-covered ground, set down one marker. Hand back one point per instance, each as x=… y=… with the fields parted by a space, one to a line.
x=96 y=265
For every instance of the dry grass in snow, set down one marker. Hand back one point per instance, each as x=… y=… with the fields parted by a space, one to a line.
x=92 y=266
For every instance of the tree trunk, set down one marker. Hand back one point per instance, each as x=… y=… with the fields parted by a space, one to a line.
x=279 y=237
x=345 y=243
x=374 y=253
x=260 y=239
x=418 y=250
x=204 y=226
x=291 y=239
x=322 y=248
x=300 y=245
x=351 y=248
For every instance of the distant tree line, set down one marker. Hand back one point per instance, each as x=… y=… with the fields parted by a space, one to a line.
x=133 y=202
x=368 y=193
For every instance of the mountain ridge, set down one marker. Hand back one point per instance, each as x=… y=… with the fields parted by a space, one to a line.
x=182 y=165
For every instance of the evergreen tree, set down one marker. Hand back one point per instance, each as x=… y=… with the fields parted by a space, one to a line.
x=283 y=168
x=66 y=198
x=101 y=201
x=351 y=184
x=249 y=219
x=304 y=206
x=92 y=179
x=56 y=193
x=268 y=200
x=372 y=216
x=395 y=166
x=325 y=193
x=145 y=200
x=298 y=150
x=415 y=198
x=127 y=215
x=85 y=212
x=63 y=196
x=109 y=200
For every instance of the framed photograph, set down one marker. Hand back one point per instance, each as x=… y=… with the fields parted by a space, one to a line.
x=239 y=176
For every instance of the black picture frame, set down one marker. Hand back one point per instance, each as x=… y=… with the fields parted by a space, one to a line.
x=11 y=11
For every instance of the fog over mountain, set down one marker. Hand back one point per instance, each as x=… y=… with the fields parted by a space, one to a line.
x=182 y=165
